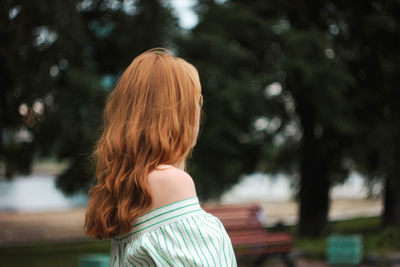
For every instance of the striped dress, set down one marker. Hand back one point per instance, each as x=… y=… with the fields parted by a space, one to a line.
x=177 y=234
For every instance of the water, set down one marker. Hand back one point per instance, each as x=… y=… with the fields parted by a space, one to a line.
x=267 y=188
x=37 y=193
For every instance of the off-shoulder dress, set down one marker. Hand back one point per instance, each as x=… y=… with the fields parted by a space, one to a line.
x=177 y=234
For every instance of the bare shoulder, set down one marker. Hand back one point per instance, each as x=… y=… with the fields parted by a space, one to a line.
x=169 y=184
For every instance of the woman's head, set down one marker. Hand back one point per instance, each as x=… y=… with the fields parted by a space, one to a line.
x=151 y=118
x=154 y=108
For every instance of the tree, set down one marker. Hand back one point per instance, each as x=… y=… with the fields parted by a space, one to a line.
x=228 y=147
x=369 y=44
x=115 y=33
x=64 y=58
x=307 y=124
x=319 y=85
x=38 y=37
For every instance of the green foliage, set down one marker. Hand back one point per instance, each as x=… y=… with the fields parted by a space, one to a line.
x=336 y=64
x=59 y=54
x=18 y=158
x=233 y=78
x=309 y=89
x=370 y=48
x=241 y=50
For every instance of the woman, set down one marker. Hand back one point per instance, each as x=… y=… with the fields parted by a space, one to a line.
x=144 y=200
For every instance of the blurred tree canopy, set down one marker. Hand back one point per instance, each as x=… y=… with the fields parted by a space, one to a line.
x=370 y=45
x=297 y=119
x=301 y=64
x=303 y=88
x=59 y=60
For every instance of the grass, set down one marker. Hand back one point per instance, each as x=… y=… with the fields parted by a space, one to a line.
x=377 y=240
x=50 y=255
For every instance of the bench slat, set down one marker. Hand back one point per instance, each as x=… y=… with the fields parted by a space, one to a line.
x=248 y=235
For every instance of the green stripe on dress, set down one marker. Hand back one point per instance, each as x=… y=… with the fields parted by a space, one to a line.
x=204 y=242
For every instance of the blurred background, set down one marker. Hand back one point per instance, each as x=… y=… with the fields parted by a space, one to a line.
x=301 y=114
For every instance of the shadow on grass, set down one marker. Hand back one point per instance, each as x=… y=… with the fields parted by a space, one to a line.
x=377 y=240
x=50 y=255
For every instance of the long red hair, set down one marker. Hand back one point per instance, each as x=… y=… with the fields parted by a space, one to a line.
x=150 y=119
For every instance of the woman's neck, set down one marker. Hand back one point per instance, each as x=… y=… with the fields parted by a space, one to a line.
x=180 y=165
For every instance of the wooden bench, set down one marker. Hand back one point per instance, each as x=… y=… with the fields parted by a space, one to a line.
x=244 y=225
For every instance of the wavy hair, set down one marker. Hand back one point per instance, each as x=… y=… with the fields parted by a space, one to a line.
x=149 y=119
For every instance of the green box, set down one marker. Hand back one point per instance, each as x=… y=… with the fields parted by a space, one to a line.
x=95 y=260
x=344 y=249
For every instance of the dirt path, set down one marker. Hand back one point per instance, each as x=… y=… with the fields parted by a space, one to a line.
x=24 y=229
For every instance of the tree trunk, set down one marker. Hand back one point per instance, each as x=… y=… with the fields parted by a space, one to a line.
x=2 y=108
x=313 y=197
x=314 y=183
x=391 y=209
